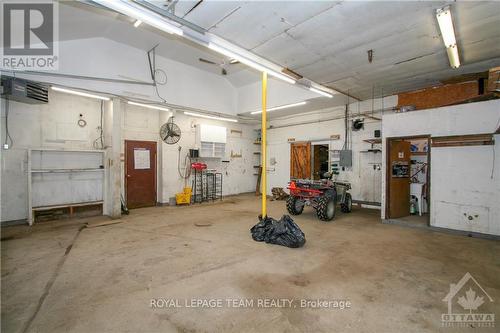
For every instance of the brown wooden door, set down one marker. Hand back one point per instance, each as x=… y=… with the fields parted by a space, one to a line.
x=399 y=178
x=300 y=160
x=140 y=173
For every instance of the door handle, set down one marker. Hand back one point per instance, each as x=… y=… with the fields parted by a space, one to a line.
x=128 y=176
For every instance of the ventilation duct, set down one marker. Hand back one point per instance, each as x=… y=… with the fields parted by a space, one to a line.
x=24 y=91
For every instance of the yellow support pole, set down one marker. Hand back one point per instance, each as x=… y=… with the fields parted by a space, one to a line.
x=263 y=144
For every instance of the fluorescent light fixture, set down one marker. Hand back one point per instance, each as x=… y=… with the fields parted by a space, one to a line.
x=250 y=63
x=286 y=106
x=321 y=92
x=80 y=93
x=128 y=8
x=445 y=22
x=209 y=117
x=453 y=56
x=137 y=23
x=149 y=106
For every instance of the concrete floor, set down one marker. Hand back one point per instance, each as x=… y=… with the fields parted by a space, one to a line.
x=415 y=221
x=58 y=277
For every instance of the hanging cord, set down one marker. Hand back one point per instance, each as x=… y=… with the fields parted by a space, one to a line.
x=99 y=142
x=422 y=168
x=493 y=150
x=8 y=138
x=187 y=165
x=155 y=71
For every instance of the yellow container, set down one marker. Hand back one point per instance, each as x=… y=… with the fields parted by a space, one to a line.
x=184 y=197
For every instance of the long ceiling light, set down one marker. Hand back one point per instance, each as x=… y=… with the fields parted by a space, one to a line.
x=141 y=14
x=286 y=106
x=149 y=106
x=209 y=117
x=445 y=22
x=80 y=93
x=321 y=92
x=250 y=63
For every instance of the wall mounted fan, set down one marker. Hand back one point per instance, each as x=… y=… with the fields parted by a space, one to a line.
x=358 y=124
x=170 y=133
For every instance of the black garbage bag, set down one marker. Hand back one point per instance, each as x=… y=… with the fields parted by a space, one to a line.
x=284 y=232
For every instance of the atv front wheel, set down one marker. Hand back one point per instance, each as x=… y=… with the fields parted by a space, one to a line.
x=326 y=208
x=294 y=205
x=346 y=206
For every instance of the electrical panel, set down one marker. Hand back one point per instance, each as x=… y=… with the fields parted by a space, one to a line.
x=345 y=158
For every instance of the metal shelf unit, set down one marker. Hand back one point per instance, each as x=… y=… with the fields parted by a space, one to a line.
x=64 y=178
x=207 y=186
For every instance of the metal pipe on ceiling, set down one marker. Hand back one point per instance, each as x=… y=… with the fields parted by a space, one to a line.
x=365 y=114
x=171 y=16
x=198 y=34
x=82 y=77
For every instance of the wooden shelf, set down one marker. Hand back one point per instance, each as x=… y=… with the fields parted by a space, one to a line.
x=80 y=204
x=256 y=152
x=463 y=140
x=419 y=153
x=373 y=141
x=63 y=150
x=70 y=162
x=66 y=170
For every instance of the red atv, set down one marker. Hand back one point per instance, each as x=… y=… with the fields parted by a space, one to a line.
x=322 y=195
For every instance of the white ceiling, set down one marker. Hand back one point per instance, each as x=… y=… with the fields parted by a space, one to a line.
x=327 y=41
x=79 y=21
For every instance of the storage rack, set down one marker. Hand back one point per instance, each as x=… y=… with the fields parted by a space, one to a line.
x=207 y=186
x=81 y=171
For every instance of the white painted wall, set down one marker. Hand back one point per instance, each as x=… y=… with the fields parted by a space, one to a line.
x=364 y=179
x=187 y=86
x=143 y=124
x=237 y=174
x=278 y=93
x=464 y=180
x=54 y=125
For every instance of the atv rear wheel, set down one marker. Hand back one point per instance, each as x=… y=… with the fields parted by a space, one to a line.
x=294 y=205
x=346 y=206
x=326 y=208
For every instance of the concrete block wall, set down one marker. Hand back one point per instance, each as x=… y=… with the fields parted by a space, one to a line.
x=54 y=125
x=237 y=173
x=365 y=180
x=465 y=181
